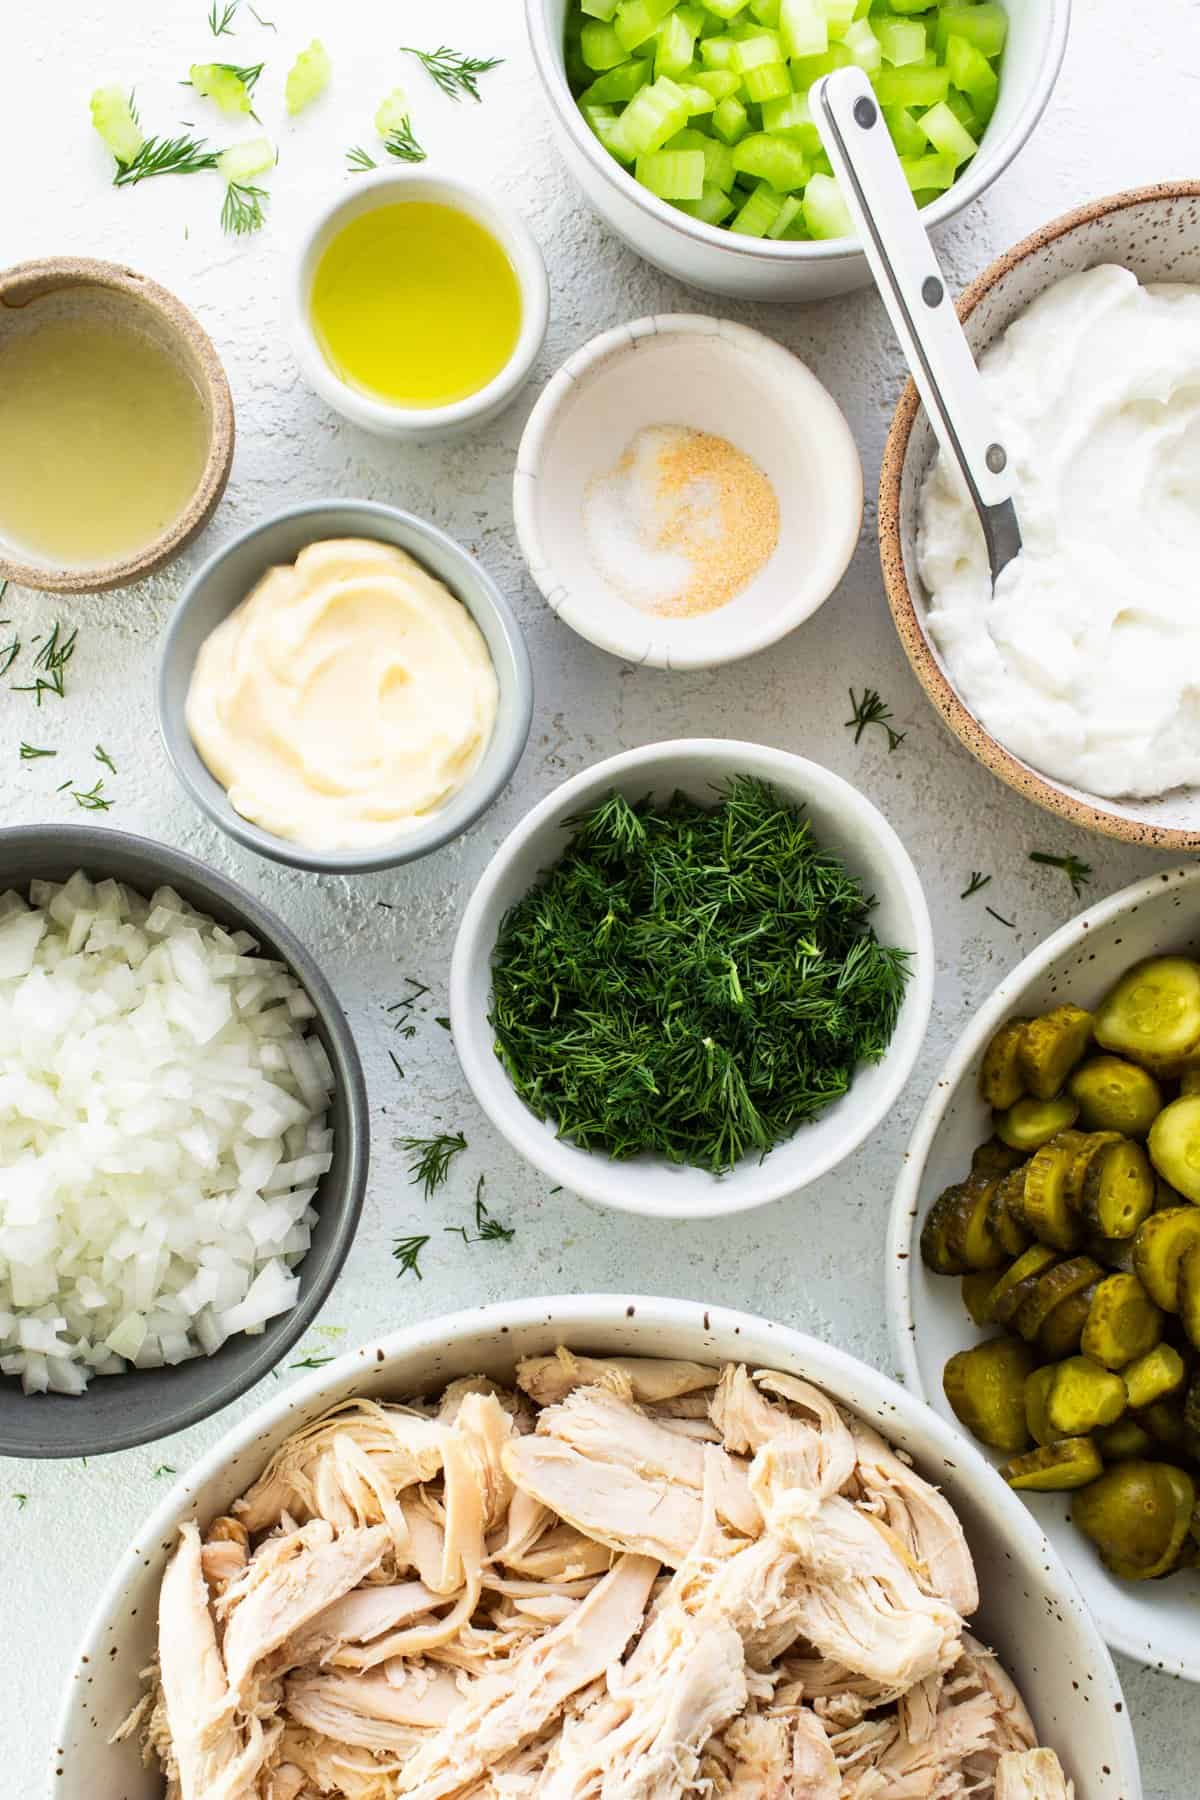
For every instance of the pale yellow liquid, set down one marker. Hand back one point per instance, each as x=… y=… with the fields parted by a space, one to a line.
x=103 y=439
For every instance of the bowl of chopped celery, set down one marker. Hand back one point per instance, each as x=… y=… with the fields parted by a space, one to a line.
x=694 y=978
x=687 y=124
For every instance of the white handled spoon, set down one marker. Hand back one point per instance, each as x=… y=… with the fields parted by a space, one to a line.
x=911 y=286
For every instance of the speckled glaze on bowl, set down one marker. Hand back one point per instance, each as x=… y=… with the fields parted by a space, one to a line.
x=143 y=1405
x=1154 y=231
x=75 y=284
x=1158 y=1622
x=1031 y=1612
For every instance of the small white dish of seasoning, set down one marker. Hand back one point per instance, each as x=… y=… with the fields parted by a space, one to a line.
x=686 y=492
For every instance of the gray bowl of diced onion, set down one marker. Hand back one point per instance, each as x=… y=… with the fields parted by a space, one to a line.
x=143 y=1403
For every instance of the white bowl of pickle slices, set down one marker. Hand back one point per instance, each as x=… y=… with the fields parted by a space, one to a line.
x=1044 y=1254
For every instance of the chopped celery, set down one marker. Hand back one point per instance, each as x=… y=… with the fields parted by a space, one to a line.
x=672 y=174
x=946 y=134
x=765 y=11
x=637 y=20
x=606 y=124
x=598 y=9
x=863 y=45
x=731 y=121
x=653 y=115
x=759 y=213
x=911 y=87
x=692 y=17
x=934 y=172
x=824 y=209
x=224 y=86
x=752 y=52
x=720 y=83
x=793 y=118
x=699 y=100
x=675 y=45
x=804 y=28
x=616 y=85
x=983 y=23
x=308 y=77
x=965 y=113
x=719 y=171
x=725 y=9
x=718 y=52
x=909 y=6
x=906 y=131
x=807 y=69
x=713 y=207
x=776 y=160
x=600 y=46
x=770 y=81
x=901 y=40
x=839 y=16
x=242 y=162
x=792 y=206
x=392 y=113
x=971 y=71
x=115 y=120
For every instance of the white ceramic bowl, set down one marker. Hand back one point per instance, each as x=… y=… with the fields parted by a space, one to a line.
x=843 y=821
x=1159 y=1621
x=715 y=376
x=419 y=424
x=1031 y=1612
x=708 y=256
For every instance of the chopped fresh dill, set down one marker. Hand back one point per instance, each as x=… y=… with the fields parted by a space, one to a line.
x=977 y=882
x=64 y=785
x=1077 y=872
x=488 y=1230
x=359 y=159
x=432 y=1157
x=386 y=905
x=220 y=20
x=401 y=143
x=165 y=156
x=31 y=752
x=101 y=755
x=872 y=709
x=162 y=1469
x=267 y=24
x=407 y=1252
x=92 y=799
x=1000 y=919
x=312 y=1362
x=9 y=652
x=51 y=659
x=243 y=210
x=22 y=1501
x=457 y=75
x=443 y=1021
x=403 y=1010
x=693 y=981
x=396 y=1064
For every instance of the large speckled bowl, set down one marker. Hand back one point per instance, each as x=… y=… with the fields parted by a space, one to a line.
x=1155 y=232
x=1031 y=1612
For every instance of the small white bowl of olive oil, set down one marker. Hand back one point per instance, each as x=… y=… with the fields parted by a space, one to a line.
x=417 y=305
x=116 y=426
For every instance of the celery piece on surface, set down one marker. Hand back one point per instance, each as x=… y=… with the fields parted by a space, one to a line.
x=308 y=77
x=675 y=45
x=778 y=161
x=115 y=120
x=653 y=115
x=933 y=172
x=971 y=72
x=946 y=134
x=731 y=121
x=672 y=174
x=803 y=27
x=913 y=86
x=901 y=40
x=792 y=208
x=906 y=131
x=242 y=162
x=713 y=207
x=983 y=23
x=863 y=45
x=617 y=85
x=824 y=209
x=600 y=46
x=224 y=86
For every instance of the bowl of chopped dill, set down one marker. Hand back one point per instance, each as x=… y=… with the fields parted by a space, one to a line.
x=694 y=978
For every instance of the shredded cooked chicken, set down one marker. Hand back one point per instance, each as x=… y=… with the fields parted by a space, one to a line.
x=628 y=1579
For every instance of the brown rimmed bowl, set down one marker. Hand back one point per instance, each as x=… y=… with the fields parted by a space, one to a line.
x=1155 y=231
x=70 y=285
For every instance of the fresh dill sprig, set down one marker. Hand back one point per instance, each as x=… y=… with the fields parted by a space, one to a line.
x=407 y=1252
x=31 y=752
x=101 y=755
x=220 y=22
x=872 y=709
x=1077 y=872
x=243 y=209
x=312 y=1362
x=1011 y=924
x=247 y=75
x=977 y=882
x=359 y=160
x=162 y=1469
x=457 y=75
x=432 y=1157
x=401 y=143
x=52 y=660
x=92 y=799
x=166 y=156
x=488 y=1230
x=396 y=1064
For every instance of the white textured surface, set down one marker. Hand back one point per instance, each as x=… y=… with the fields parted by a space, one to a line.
x=1124 y=114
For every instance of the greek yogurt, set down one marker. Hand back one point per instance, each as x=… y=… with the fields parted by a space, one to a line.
x=1085 y=660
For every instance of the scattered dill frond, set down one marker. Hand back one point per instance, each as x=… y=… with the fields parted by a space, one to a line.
x=31 y=752
x=166 y=156
x=91 y=799
x=267 y=24
x=407 y=1252
x=101 y=755
x=3 y=591
x=220 y=19
x=432 y=1157
x=403 y=1010
x=52 y=660
x=243 y=209
x=396 y=1064
x=312 y=1362
x=872 y=709
x=1077 y=872
x=488 y=1230
x=9 y=652
x=1000 y=919
x=359 y=159
x=977 y=882
x=457 y=75
x=22 y=1501
x=401 y=143
x=162 y=1469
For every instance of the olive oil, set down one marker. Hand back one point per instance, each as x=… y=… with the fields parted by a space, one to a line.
x=416 y=304
x=103 y=439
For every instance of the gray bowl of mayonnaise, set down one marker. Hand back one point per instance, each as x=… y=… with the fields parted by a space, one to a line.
x=343 y=688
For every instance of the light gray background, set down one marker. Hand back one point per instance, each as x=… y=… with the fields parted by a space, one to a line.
x=1124 y=113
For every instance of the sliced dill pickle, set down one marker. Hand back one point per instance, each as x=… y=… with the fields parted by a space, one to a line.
x=986 y=1389
x=1084 y=1146
x=1004 y=1212
x=977 y=1294
x=1165 y=1423
x=1029 y=1123
x=1083 y=1396
x=1157 y=1249
x=1054 y=1468
x=1138 y=1515
x=968 y=1235
x=1189 y=1081
x=1050 y=1047
x=1191 y=1418
x=1188 y=1289
x=1062 y=1332
x=1115 y=1095
x=1018 y=1281
x=1000 y=1080
x=1128 y=1437
x=1116 y=1254
x=1037 y=1391
x=1153 y=1013
x=1056 y=1285
x=1044 y=1206
x=1122 y=1323
x=1154 y=1376
x=1174 y=1145
x=1118 y=1189
x=935 y=1250
x=995 y=1158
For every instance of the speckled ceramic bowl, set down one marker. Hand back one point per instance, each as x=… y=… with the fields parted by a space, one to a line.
x=1155 y=232
x=1031 y=1611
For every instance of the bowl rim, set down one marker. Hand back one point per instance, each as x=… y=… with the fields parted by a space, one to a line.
x=902 y=1250
x=605 y=1181
x=550 y=64
x=823 y=1363
x=1019 y=775
x=50 y=274
x=826 y=420
x=259 y=918
x=508 y=742
x=515 y=239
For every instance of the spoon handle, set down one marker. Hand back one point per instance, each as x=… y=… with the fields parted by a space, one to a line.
x=913 y=290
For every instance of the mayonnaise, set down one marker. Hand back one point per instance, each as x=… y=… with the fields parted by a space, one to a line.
x=1085 y=661
x=346 y=699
